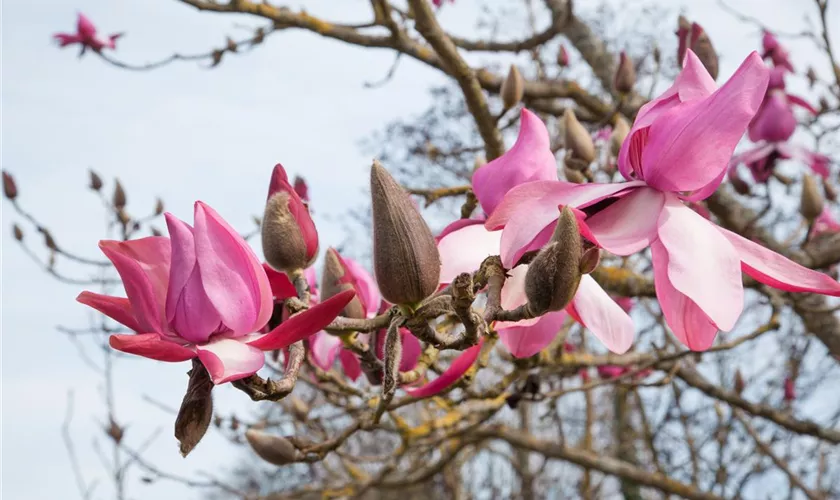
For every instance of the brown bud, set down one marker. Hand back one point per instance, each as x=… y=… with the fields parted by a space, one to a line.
x=657 y=55
x=259 y=36
x=405 y=256
x=18 y=232
x=196 y=409
x=49 y=242
x=9 y=186
x=95 y=181
x=823 y=104
x=554 y=275
x=619 y=133
x=702 y=47
x=829 y=190
x=231 y=45
x=574 y=176
x=273 y=449
x=234 y=423
x=811 y=204
x=299 y=408
x=217 y=57
x=217 y=421
x=625 y=75
x=739 y=382
x=812 y=76
x=590 y=259
x=336 y=279
x=578 y=141
x=158 y=207
x=513 y=88
x=118 y=199
x=156 y=232
x=115 y=432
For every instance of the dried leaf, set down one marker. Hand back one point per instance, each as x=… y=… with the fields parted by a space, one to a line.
x=196 y=409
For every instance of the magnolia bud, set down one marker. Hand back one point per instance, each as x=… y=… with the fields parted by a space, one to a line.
x=562 y=57
x=196 y=410
x=739 y=382
x=273 y=449
x=790 y=390
x=657 y=55
x=590 y=259
x=554 y=275
x=259 y=36
x=812 y=76
x=336 y=279
x=823 y=104
x=619 y=133
x=217 y=57
x=829 y=190
x=289 y=237
x=574 y=176
x=17 y=232
x=155 y=231
x=95 y=181
x=299 y=408
x=812 y=203
x=513 y=88
x=49 y=242
x=231 y=45
x=625 y=75
x=701 y=44
x=9 y=186
x=118 y=199
x=405 y=258
x=578 y=140
x=123 y=217
x=158 y=207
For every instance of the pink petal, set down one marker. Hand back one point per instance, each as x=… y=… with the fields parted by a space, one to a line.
x=688 y=322
x=528 y=210
x=524 y=341
x=231 y=274
x=85 y=27
x=452 y=374
x=116 y=308
x=143 y=266
x=605 y=318
x=629 y=224
x=65 y=39
x=152 y=346
x=411 y=350
x=324 y=349
x=304 y=323
x=312 y=281
x=530 y=159
x=802 y=103
x=458 y=224
x=281 y=287
x=350 y=364
x=228 y=359
x=188 y=309
x=692 y=143
x=759 y=152
x=702 y=264
x=513 y=296
x=463 y=250
x=365 y=285
x=772 y=269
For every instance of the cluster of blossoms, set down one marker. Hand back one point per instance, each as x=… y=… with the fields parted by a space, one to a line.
x=87 y=37
x=203 y=293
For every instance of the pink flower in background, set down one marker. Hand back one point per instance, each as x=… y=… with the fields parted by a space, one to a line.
x=789 y=390
x=678 y=150
x=761 y=159
x=201 y=292
x=465 y=243
x=451 y=375
x=774 y=51
x=301 y=189
x=775 y=121
x=611 y=371
x=825 y=223
x=87 y=37
x=438 y=3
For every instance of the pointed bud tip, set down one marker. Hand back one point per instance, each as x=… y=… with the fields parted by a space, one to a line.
x=577 y=138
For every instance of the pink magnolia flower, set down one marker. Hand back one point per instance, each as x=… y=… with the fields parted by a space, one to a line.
x=201 y=292
x=87 y=37
x=761 y=159
x=775 y=121
x=289 y=236
x=677 y=150
x=451 y=375
x=464 y=244
x=774 y=51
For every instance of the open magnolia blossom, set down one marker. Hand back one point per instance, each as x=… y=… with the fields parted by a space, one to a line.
x=762 y=157
x=464 y=244
x=677 y=151
x=201 y=292
x=87 y=36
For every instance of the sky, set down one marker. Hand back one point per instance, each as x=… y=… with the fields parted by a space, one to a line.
x=183 y=133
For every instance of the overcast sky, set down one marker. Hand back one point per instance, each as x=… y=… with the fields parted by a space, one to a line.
x=183 y=133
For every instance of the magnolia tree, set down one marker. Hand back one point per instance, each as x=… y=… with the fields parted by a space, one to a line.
x=617 y=304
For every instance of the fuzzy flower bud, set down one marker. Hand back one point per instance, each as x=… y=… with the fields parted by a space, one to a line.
x=619 y=133
x=625 y=75
x=812 y=203
x=578 y=140
x=693 y=36
x=405 y=256
x=513 y=88
x=119 y=199
x=95 y=181
x=273 y=449
x=739 y=382
x=9 y=186
x=336 y=279
x=289 y=237
x=562 y=57
x=554 y=274
x=17 y=232
x=574 y=176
